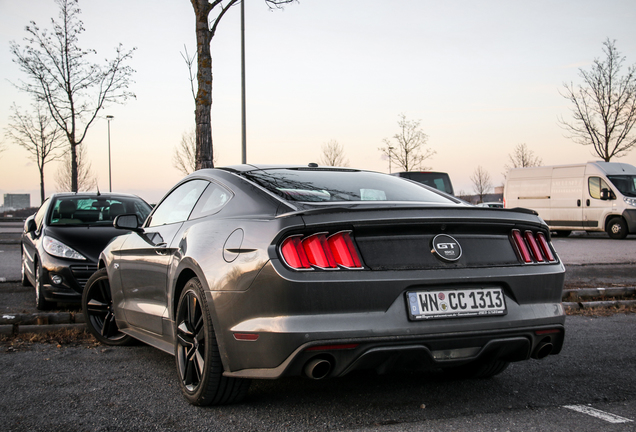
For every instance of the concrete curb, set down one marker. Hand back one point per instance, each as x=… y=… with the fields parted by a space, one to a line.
x=11 y=324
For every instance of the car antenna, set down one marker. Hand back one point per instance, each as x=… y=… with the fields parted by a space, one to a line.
x=98 y=194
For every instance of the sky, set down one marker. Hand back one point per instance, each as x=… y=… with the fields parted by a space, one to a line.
x=481 y=77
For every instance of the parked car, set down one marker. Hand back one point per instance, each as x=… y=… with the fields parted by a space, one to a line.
x=493 y=204
x=62 y=241
x=437 y=180
x=265 y=272
x=593 y=196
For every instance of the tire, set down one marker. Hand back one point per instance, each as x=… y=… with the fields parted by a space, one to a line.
x=97 y=305
x=617 y=228
x=197 y=355
x=24 y=279
x=563 y=233
x=478 y=369
x=40 y=302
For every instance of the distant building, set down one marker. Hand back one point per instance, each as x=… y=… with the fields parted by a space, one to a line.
x=17 y=201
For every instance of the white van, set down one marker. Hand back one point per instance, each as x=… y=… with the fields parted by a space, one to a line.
x=595 y=196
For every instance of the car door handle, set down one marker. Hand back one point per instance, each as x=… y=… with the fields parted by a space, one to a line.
x=587 y=202
x=578 y=203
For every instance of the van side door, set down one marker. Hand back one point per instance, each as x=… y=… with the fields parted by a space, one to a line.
x=566 y=197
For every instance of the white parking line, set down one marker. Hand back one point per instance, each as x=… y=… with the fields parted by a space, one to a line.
x=608 y=417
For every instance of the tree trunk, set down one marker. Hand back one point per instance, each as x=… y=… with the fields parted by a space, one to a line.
x=42 y=194
x=203 y=117
x=74 y=183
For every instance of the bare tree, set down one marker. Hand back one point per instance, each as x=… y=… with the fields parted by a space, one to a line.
x=205 y=30
x=61 y=74
x=405 y=149
x=604 y=106
x=38 y=135
x=184 y=157
x=333 y=155
x=86 y=180
x=522 y=157
x=481 y=182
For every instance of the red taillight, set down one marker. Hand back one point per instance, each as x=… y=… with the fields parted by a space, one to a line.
x=343 y=250
x=532 y=247
x=521 y=246
x=320 y=251
x=294 y=253
x=545 y=247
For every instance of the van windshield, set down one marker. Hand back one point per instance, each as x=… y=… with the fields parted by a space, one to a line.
x=626 y=184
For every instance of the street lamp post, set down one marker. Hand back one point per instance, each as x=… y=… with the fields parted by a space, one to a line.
x=243 y=122
x=110 y=182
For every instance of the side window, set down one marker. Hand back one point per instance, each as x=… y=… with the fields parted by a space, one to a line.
x=177 y=206
x=595 y=185
x=212 y=201
x=39 y=216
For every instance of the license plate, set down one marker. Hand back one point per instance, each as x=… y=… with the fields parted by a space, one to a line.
x=455 y=303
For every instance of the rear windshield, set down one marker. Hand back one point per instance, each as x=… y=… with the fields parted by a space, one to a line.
x=98 y=211
x=341 y=185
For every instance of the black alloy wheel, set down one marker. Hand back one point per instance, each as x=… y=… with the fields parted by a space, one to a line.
x=617 y=228
x=197 y=353
x=97 y=305
x=40 y=302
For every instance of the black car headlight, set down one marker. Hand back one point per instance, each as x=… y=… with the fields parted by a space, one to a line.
x=59 y=249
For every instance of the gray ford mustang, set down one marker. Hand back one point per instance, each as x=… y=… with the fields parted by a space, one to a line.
x=270 y=271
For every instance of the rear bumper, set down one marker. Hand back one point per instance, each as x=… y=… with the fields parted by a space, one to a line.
x=290 y=318
x=415 y=352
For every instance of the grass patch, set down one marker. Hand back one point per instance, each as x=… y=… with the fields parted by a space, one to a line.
x=60 y=338
x=603 y=311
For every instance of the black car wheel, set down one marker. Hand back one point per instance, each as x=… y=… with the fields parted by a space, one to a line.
x=24 y=279
x=617 y=228
x=478 y=369
x=197 y=353
x=40 y=302
x=97 y=305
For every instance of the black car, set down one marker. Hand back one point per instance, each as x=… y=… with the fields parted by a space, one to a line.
x=265 y=272
x=62 y=241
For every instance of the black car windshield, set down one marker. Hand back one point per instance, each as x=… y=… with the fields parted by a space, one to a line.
x=320 y=185
x=94 y=211
x=626 y=184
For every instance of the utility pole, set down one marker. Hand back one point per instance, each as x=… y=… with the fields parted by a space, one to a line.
x=244 y=127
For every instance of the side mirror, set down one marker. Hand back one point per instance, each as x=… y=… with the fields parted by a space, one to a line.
x=605 y=194
x=127 y=222
x=30 y=225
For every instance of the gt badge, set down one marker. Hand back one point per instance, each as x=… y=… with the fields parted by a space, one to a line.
x=446 y=248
